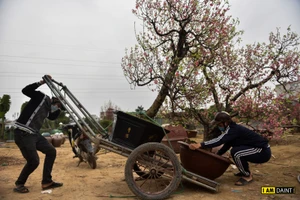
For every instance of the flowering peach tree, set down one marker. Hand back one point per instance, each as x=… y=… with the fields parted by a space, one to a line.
x=272 y=113
x=188 y=51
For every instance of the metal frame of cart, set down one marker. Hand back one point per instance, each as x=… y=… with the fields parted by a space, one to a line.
x=152 y=170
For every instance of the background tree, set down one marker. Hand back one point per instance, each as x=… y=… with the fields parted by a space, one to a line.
x=173 y=32
x=188 y=51
x=48 y=125
x=106 y=115
x=108 y=106
x=4 y=108
x=15 y=115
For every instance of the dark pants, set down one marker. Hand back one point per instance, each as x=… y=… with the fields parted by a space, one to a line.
x=244 y=154
x=29 y=144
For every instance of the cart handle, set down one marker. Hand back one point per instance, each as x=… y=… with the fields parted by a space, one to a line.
x=46 y=77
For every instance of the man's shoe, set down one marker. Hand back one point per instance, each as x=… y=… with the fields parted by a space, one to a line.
x=51 y=185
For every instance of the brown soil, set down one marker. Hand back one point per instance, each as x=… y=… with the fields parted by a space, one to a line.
x=107 y=180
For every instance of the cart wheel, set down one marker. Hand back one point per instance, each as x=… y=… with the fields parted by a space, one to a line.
x=161 y=168
x=142 y=171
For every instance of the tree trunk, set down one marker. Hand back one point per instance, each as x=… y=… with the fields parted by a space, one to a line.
x=210 y=132
x=206 y=132
x=154 y=108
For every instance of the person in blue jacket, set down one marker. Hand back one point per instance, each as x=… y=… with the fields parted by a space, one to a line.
x=246 y=146
x=29 y=140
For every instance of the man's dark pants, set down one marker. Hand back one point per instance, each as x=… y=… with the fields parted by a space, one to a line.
x=29 y=144
x=244 y=154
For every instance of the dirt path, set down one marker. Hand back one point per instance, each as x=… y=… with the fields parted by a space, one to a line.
x=107 y=180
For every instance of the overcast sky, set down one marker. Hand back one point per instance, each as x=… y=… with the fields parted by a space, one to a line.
x=81 y=43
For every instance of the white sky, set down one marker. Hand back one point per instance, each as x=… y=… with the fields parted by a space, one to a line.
x=81 y=43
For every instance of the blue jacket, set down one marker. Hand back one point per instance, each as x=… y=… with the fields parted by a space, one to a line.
x=236 y=135
x=36 y=111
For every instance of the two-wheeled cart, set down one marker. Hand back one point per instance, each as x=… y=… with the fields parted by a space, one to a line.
x=152 y=170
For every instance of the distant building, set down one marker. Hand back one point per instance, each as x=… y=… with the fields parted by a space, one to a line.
x=108 y=114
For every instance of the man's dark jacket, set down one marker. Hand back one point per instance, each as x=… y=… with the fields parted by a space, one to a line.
x=36 y=111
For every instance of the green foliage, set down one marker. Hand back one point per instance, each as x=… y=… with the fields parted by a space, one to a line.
x=53 y=124
x=4 y=108
x=106 y=124
x=63 y=118
x=5 y=103
x=139 y=109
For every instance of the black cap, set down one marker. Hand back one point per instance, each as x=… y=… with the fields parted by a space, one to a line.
x=221 y=117
x=55 y=100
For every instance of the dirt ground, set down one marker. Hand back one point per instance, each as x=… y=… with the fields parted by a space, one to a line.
x=107 y=180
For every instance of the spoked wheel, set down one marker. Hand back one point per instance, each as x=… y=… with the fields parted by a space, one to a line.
x=159 y=169
x=92 y=160
x=140 y=170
